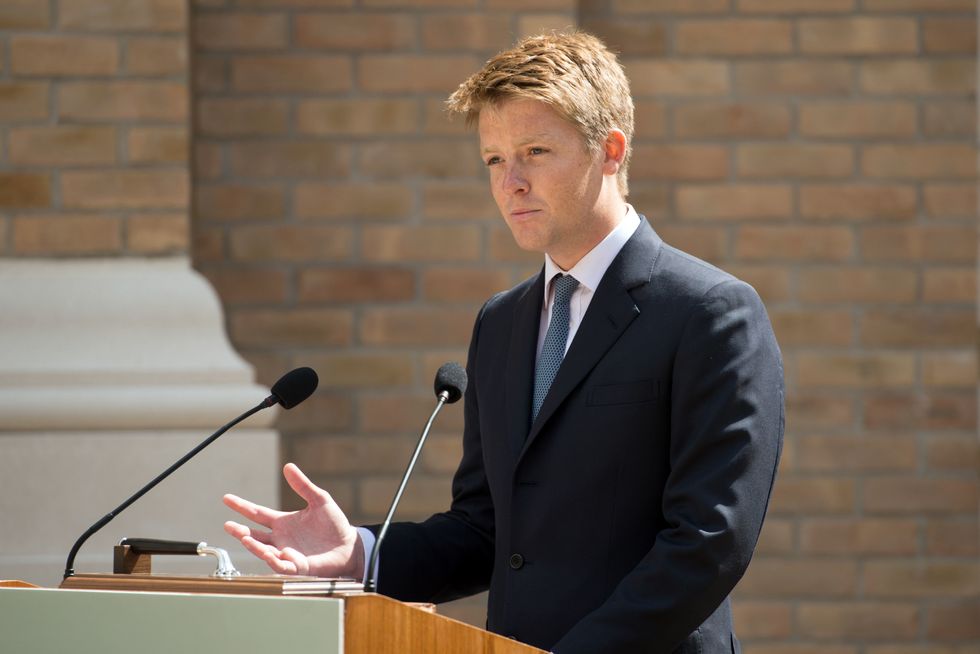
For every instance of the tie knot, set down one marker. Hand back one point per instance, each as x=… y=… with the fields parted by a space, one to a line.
x=565 y=285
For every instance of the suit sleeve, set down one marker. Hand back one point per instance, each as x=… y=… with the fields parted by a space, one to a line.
x=450 y=555
x=726 y=429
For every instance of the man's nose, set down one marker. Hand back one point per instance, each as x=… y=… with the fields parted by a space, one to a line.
x=515 y=181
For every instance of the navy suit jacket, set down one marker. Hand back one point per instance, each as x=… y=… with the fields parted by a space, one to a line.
x=621 y=519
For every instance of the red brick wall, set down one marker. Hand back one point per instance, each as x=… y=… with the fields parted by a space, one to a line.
x=94 y=102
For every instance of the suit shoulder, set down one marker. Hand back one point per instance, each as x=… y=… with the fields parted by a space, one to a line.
x=681 y=274
x=507 y=299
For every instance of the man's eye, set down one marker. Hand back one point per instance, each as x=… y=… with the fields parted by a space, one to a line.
x=537 y=151
x=492 y=161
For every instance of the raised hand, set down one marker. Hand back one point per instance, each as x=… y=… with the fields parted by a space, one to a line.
x=317 y=540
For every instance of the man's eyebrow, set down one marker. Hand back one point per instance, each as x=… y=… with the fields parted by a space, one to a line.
x=540 y=136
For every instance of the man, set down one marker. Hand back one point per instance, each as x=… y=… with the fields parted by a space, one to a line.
x=624 y=414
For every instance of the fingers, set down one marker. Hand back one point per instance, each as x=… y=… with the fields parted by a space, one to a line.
x=254 y=512
x=270 y=555
x=241 y=531
x=302 y=485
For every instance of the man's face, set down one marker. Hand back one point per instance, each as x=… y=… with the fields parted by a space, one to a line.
x=544 y=180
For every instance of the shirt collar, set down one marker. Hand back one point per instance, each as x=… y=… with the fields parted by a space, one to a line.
x=590 y=268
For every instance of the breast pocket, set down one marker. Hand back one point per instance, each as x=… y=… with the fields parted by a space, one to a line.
x=646 y=390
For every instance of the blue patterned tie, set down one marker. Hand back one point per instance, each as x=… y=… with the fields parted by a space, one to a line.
x=553 y=350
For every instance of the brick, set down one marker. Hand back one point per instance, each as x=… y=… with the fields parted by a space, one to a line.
x=355 y=31
x=416 y=327
x=919 y=5
x=463 y=284
x=353 y=200
x=794 y=77
x=652 y=77
x=857 y=284
x=123 y=100
x=210 y=73
x=728 y=201
x=827 y=453
x=402 y=412
x=207 y=161
x=430 y=158
x=858 y=119
x=291 y=243
x=246 y=285
x=775 y=160
x=291 y=74
x=503 y=249
x=808 y=410
x=920 y=161
x=442 y=244
x=61 y=234
x=649 y=119
x=462 y=32
x=207 y=244
x=534 y=24
x=302 y=4
x=162 y=233
x=671 y=6
x=24 y=190
x=358 y=117
x=853 y=536
x=759 y=619
x=949 y=285
x=945 y=200
x=797 y=578
x=732 y=120
x=420 y=3
x=935 y=411
x=918 y=76
x=458 y=201
x=921 y=649
x=22 y=101
x=859 y=620
x=949 y=369
x=953 y=537
x=777 y=537
x=401 y=73
x=917 y=495
x=952 y=453
x=651 y=200
x=757 y=243
x=631 y=35
x=423 y=498
x=292 y=327
x=797 y=648
x=813 y=495
x=917 y=327
x=442 y=454
x=436 y=120
x=365 y=370
x=24 y=15
x=240 y=31
x=156 y=56
x=63 y=55
x=947 y=244
x=773 y=283
x=915 y=579
x=62 y=145
x=290 y=159
x=949 y=35
x=858 y=36
x=867 y=370
x=858 y=201
x=341 y=454
x=242 y=116
x=158 y=145
x=239 y=202
x=679 y=162
x=123 y=15
x=362 y=284
x=324 y=412
x=954 y=622
x=733 y=36
x=125 y=189
x=708 y=243
x=945 y=119
x=795 y=6
x=812 y=327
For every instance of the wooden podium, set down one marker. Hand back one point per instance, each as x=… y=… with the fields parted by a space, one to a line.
x=53 y=621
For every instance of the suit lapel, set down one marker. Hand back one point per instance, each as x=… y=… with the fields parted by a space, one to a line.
x=520 y=363
x=609 y=314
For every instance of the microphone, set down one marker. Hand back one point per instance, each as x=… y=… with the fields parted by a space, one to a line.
x=291 y=389
x=450 y=384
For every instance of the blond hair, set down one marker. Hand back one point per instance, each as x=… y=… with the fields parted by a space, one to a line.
x=574 y=73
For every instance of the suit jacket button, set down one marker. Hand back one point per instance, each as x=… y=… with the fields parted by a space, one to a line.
x=516 y=561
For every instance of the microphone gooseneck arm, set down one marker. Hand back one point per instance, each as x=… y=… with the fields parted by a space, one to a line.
x=369 y=585
x=69 y=570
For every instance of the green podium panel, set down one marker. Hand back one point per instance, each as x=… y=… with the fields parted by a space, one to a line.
x=53 y=621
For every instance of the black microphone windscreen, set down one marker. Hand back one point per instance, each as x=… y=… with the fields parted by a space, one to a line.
x=451 y=378
x=295 y=386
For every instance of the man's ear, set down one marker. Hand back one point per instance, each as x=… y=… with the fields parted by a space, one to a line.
x=614 y=151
